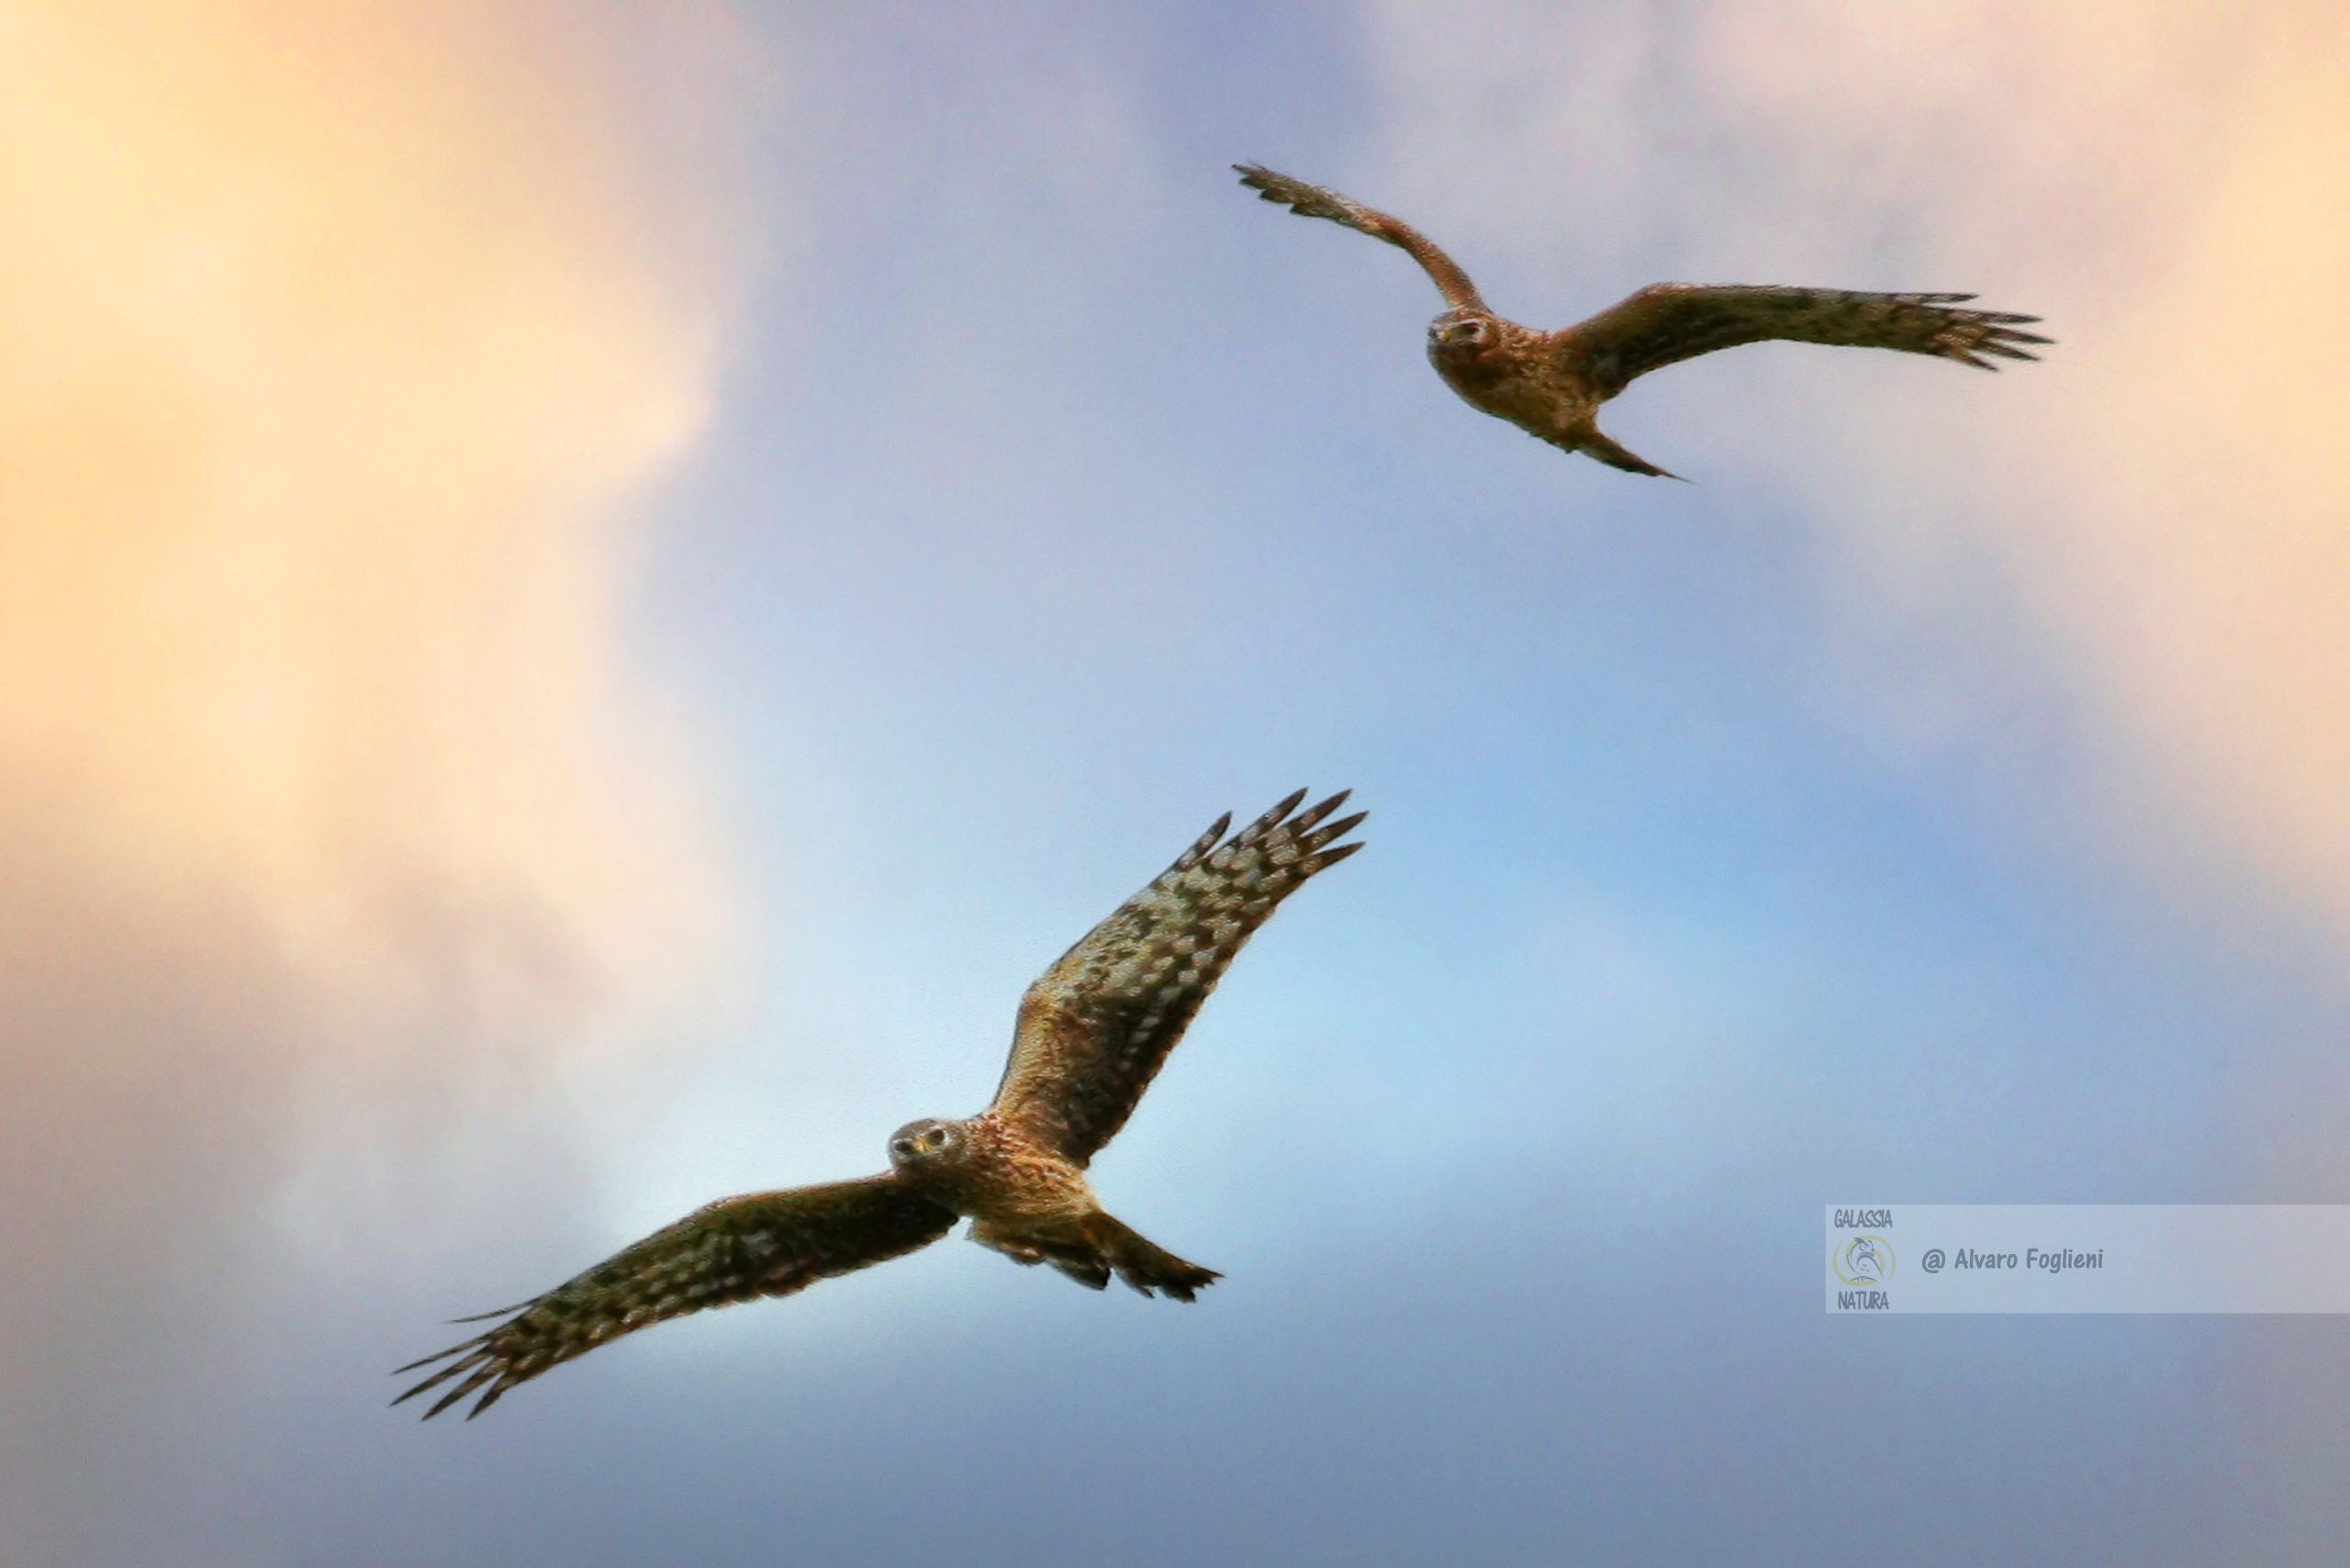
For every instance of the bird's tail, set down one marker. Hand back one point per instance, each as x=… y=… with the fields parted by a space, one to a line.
x=1143 y=1264
x=1617 y=456
x=1090 y=1248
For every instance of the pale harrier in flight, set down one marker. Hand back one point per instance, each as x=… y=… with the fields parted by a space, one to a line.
x=1092 y=1032
x=1550 y=384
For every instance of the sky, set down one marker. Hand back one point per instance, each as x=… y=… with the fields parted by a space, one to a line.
x=590 y=594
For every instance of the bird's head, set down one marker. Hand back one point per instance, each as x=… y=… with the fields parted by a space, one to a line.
x=1462 y=331
x=1465 y=345
x=923 y=1145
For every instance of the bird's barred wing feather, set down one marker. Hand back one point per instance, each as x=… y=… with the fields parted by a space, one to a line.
x=1096 y=1027
x=1312 y=201
x=1671 y=321
x=761 y=1244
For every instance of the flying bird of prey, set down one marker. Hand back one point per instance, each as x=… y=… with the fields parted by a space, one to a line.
x=1092 y=1032
x=1550 y=384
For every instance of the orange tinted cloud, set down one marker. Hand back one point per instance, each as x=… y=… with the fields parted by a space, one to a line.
x=337 y=344
x=330 y=352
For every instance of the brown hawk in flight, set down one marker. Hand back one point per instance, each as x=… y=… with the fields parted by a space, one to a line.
x=1550 y=384
x=1092 y=1032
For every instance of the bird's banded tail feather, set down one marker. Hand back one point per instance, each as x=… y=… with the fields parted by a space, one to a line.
x=1143 y=1263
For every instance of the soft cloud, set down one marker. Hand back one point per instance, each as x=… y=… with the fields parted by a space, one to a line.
x=2163 y=498
x=322 y=384
x=333 y=354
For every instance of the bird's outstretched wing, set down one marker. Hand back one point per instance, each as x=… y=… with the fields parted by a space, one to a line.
x=1670 y=321
x=1312 y=201
x=734 y=1250
x=1095 y=1028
